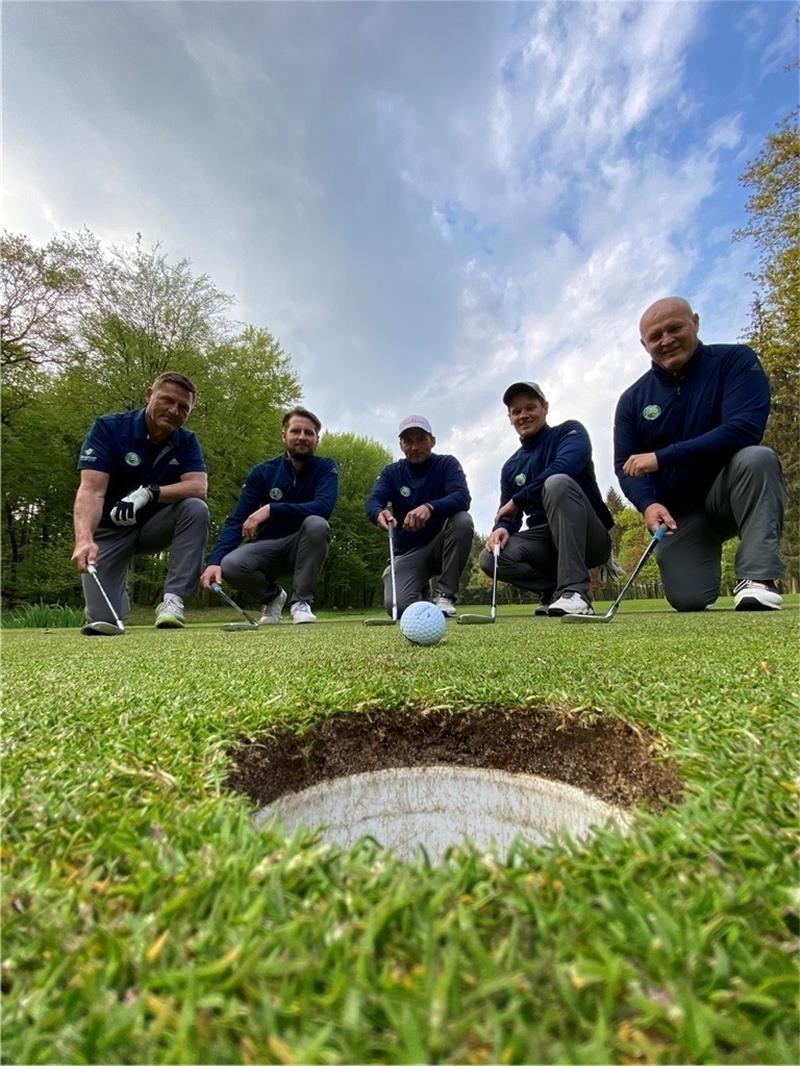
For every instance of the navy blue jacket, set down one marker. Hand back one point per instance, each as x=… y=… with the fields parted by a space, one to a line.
x=117 y=445
x=564 y=449
x=694 y=425
x=291 y=496
x=439 y=481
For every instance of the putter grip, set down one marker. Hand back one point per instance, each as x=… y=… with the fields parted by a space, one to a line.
x=660 y=532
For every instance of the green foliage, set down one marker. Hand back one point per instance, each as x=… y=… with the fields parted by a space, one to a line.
x=358 y=552
x=42 y=616
x=773 y=179
x=88 y=331
x=148 y=920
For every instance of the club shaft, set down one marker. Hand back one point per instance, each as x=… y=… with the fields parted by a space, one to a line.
x=93 y=572
x=392 y=572
x=494 y=581
x=658 y=535
x=232 y=603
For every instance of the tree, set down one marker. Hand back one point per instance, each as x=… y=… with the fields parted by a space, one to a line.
x=87 y=331
x=773 y=179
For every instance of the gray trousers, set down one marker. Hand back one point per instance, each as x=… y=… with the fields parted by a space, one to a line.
x=556 y=556
x=444 y=557
x=747 y=499
x=254 y=566
x=180 y=527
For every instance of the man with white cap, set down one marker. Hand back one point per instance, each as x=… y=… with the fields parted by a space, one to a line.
x=423 y=501
x=550 y=478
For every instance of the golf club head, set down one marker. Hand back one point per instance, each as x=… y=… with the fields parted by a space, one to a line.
x=475 y=620
x=380 y=621
x=101 y=629
x=587 y=617
x=239 y=627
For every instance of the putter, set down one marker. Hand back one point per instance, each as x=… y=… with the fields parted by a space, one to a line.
x=484 y=619
x=233 y=627
x=393 y=620
x=103 y=629
x=658 y=534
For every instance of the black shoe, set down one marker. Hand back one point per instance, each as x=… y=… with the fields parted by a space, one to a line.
x=545 y=600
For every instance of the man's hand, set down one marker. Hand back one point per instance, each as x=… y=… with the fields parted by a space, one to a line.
x=85 y=554
x=124 y=512
x=386 y=519
x=210 y=575
x=508 y=510
x=254 y=521
x=499 y=538
x=418 y=518
x=639 y=465
x=657 y=513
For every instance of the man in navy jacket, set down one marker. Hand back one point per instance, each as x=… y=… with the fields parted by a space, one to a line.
x=282 y=514
x=142 y=491
x=687 y=454
x=551 y=479
x=423 y=502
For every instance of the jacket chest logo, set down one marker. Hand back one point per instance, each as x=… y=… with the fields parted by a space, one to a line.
x=275 y=494
x=520 y=479
x=651 y=412
x=405 y=491
x=132 y=459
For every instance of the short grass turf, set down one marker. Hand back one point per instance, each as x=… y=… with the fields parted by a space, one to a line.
x=146 y=920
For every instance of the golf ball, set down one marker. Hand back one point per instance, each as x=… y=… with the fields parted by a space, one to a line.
x=422 y=623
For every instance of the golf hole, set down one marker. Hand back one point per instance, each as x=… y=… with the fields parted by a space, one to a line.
x=437 y=777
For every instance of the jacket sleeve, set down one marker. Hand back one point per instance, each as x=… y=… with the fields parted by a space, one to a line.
x=326 y=491
x=573 y=452
x=230 y=535
x=745 y=409
x=641 y=491
x=380 y=496
x=456 y=493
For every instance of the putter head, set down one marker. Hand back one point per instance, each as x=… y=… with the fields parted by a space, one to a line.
x=475 y=620
x=102 y=629
x=587 y=617
x=380 y=621
x=238 y=627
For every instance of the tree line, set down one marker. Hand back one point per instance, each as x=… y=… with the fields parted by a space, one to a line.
x=85 y=329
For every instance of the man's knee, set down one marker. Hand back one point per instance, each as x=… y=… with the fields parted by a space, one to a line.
x=461 y=523
x=486 y=562
x=316 y=527
x=195 y=509
x=687 y=601
x=756 y=459
x=556 y=487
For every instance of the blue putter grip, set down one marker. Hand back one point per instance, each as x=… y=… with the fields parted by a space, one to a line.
x=216 y=587
x=660 y=532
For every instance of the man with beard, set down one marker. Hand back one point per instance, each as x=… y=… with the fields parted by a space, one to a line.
x=282 y=515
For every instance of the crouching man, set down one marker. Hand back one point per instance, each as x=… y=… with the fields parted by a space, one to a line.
x=280 y=525
x=142 y=491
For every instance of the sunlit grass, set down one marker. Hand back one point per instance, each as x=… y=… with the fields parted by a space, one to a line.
x=146 y=920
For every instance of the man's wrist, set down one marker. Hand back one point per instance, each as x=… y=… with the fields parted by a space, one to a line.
x=155 y=492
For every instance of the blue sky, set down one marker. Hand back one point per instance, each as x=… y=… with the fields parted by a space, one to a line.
x=422 y=201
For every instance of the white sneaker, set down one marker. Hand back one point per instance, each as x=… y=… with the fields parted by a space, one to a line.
x=756 y=596
x=569 y=603
x=301 y=613
x=445 y=605
x=169 y=613
x=271 y=612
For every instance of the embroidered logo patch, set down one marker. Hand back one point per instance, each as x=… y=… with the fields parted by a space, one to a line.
x=520 y=479
x=651 y=412
x=405 y=491
x=275 y=494
x=132 y=459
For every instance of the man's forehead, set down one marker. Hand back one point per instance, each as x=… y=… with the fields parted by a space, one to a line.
x=299 y=422
x=663 y=310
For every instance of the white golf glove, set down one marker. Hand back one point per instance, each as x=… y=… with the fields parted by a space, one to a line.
x=124 y=512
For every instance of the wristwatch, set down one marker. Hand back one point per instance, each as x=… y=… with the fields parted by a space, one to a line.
x=155 y=492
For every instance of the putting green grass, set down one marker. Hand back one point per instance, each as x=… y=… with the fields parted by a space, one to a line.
x=146 y=920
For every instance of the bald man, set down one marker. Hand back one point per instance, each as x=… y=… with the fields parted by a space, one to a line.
x=687 y=452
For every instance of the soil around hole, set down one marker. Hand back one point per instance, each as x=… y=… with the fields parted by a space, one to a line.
x=603 y=756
